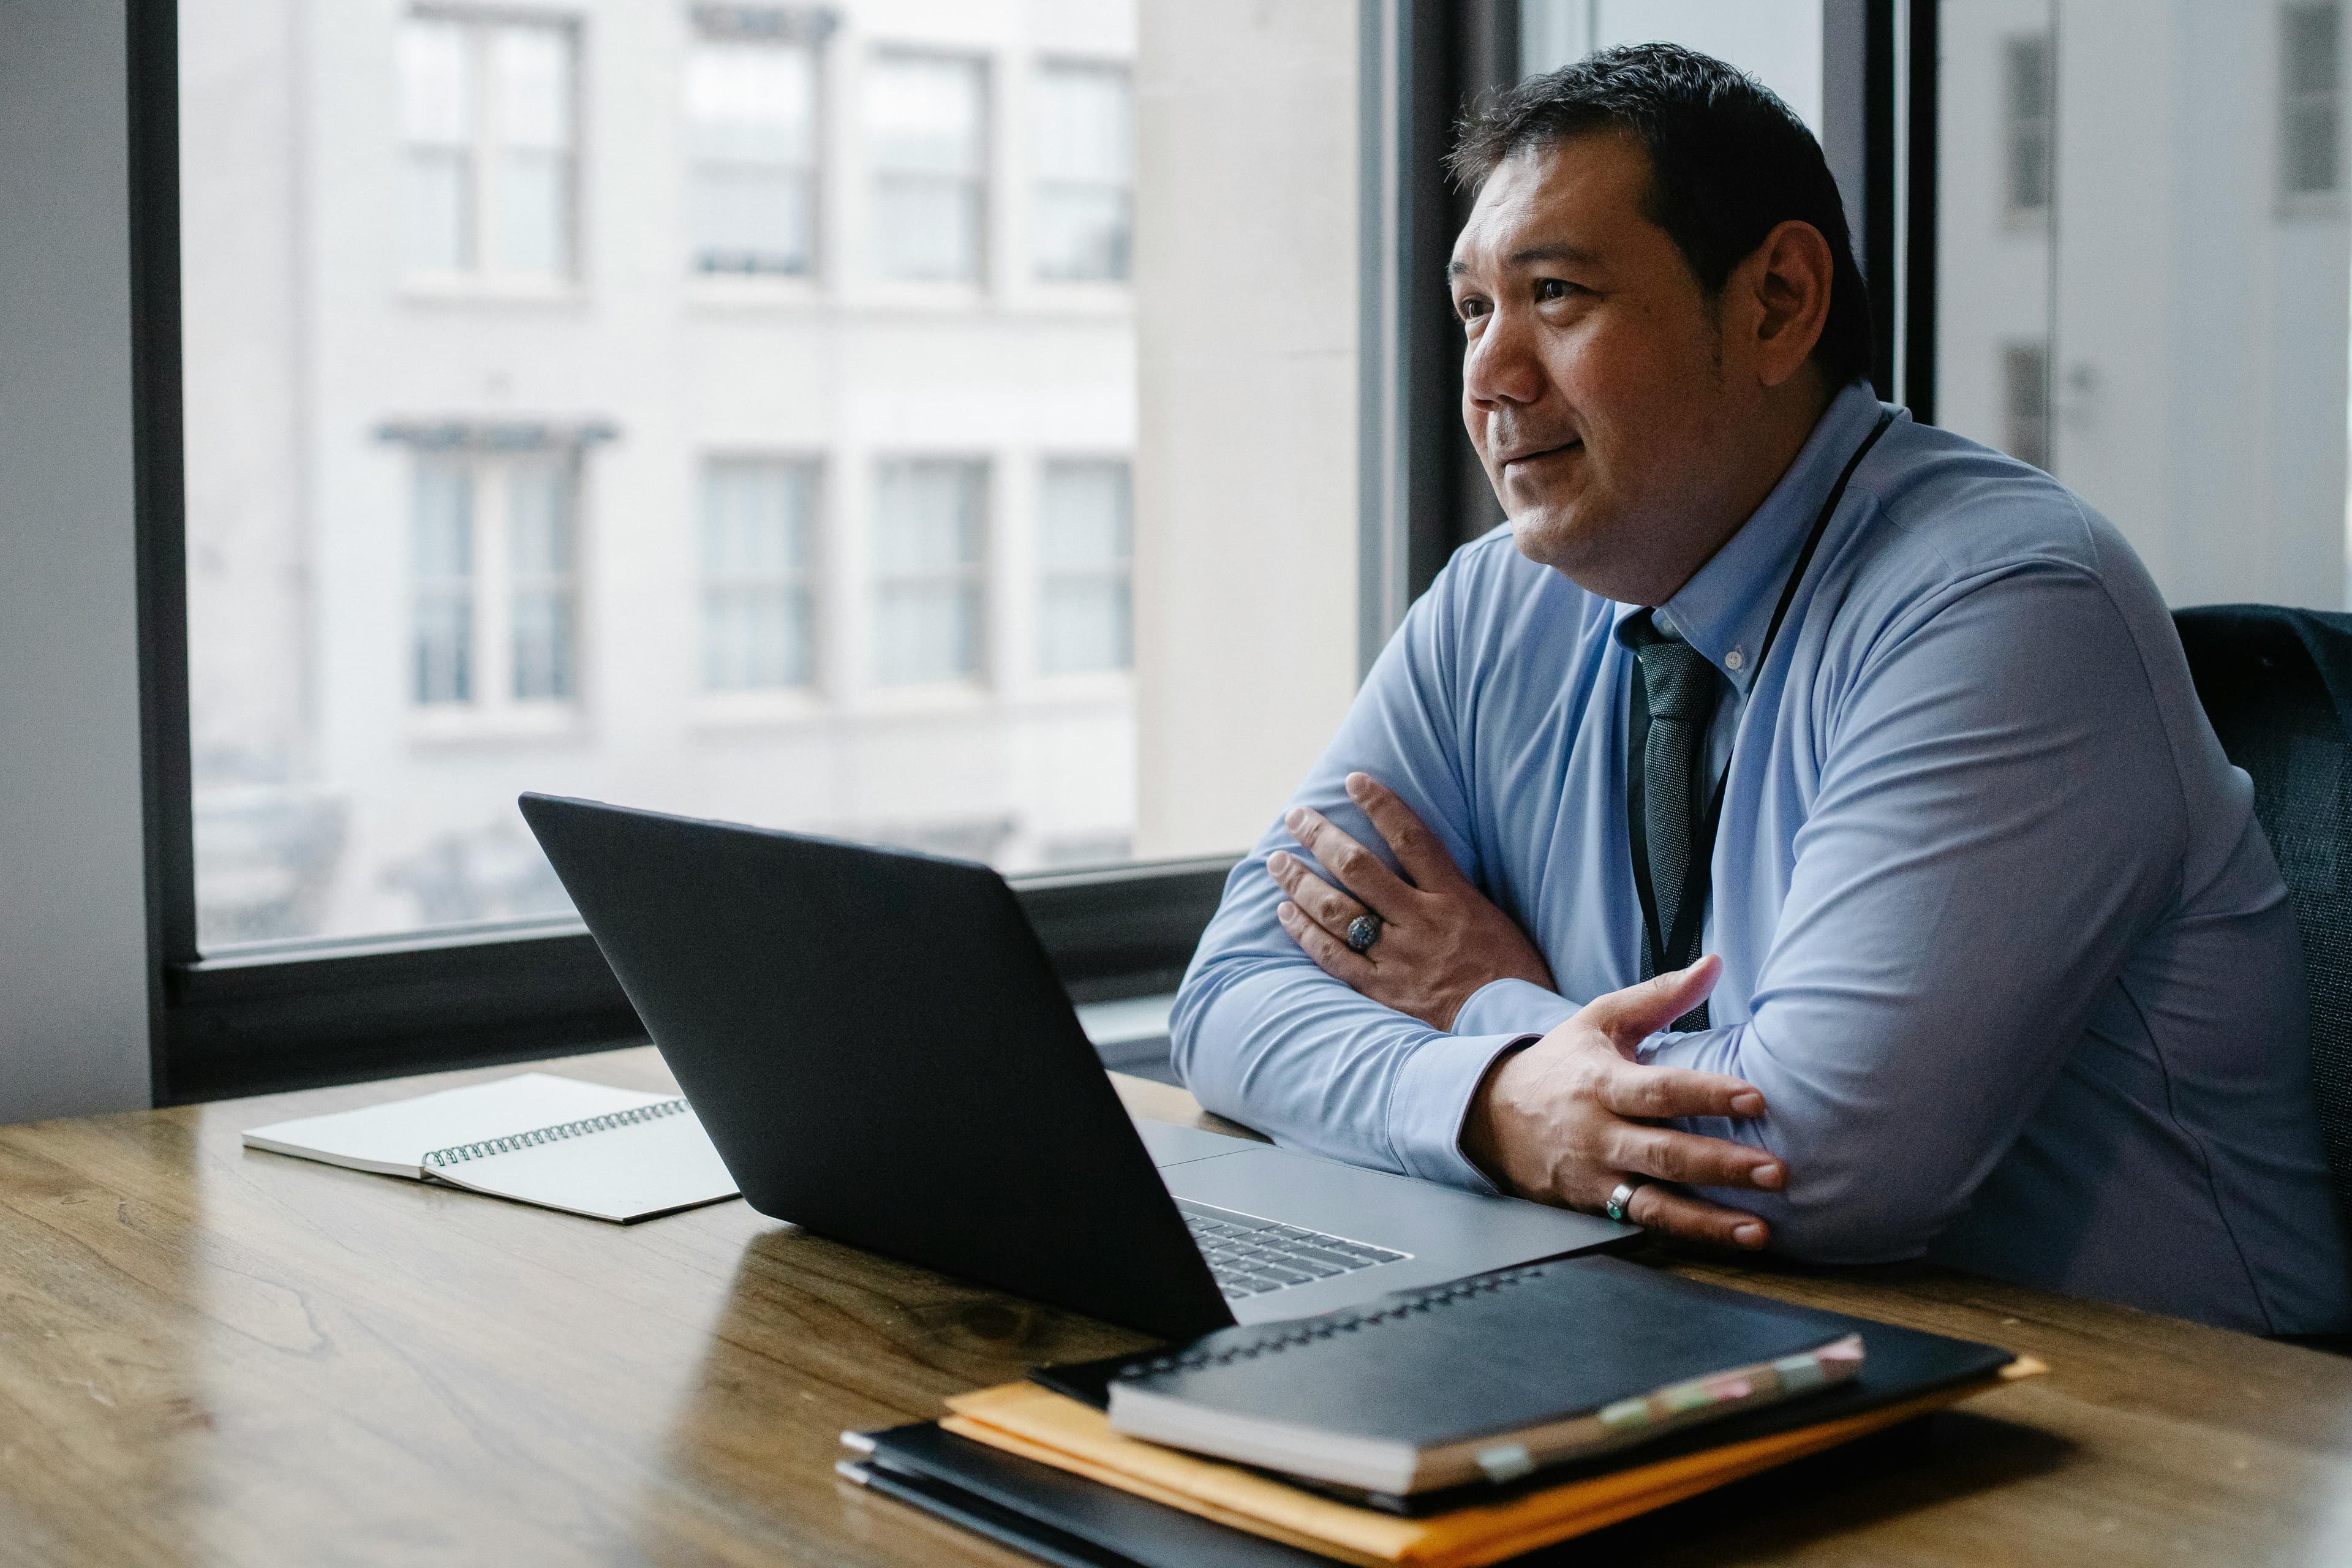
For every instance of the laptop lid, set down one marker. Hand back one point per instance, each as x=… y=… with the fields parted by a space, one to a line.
x=882 y=1054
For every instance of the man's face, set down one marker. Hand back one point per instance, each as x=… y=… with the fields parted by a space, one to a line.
x=1594 y=386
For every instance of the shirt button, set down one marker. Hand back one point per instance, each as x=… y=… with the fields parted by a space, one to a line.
x=1734 y=660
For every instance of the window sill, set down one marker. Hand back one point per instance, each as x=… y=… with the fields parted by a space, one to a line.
x=1078 y=690
x=754 y=291
x=458 y=725
x=1047 y=297
x=757 y=710
x=928 y=700
x=490 y=289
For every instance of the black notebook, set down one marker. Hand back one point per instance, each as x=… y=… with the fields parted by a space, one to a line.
x=1505 y=1354
x=1065 y=1519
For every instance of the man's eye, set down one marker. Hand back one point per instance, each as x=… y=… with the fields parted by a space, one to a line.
x=1550 y=288
x=1470 y=309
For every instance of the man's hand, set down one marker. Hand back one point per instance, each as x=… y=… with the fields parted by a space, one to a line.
x=1439 y=939
x=1564 y=1121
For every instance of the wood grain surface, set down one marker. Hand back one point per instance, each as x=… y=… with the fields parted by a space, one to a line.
x=212 y=1356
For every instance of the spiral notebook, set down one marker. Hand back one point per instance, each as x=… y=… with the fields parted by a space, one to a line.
x=1490 y=1378
x=585 y=1148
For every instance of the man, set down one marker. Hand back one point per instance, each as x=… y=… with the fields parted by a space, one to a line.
x=1892 y=728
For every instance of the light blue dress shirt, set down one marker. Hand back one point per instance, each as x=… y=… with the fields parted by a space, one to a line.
x=2003 y=945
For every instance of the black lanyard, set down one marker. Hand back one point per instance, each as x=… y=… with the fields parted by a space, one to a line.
x=1698 y=876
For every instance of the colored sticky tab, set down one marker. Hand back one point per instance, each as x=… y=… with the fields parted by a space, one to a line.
x=1505 y=1462
x=1625 y=1413
x=1800 y=1372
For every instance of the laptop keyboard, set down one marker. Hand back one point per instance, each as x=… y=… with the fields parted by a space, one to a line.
x=1251 y=1256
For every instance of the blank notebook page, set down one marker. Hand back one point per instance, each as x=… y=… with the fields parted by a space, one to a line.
x=618 y=1174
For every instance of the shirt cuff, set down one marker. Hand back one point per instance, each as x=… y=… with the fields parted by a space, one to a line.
x=1431 y=1100
x=1510 y=1004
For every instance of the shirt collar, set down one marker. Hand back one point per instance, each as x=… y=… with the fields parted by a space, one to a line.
x=1724 y=609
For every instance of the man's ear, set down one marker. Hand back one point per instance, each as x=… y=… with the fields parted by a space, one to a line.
x=1787 y=283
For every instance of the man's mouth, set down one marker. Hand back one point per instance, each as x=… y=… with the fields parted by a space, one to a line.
x=1519 y=462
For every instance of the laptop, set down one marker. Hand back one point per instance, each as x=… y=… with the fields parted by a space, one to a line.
x=882 y=1054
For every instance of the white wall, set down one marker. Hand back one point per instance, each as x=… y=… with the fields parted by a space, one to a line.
x=73 y=935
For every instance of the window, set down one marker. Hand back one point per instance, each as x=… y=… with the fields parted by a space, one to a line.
x=2026 y=118
x=2155 y=339
x=751 y=138
x=759 y=611
x=487 y=119
x=495 y=607
x=2310 y=70
x=926 y=135
x=1085 y=542
x=838 y=491
x=2025 y=380
x=1083 y=213
x=929 y=549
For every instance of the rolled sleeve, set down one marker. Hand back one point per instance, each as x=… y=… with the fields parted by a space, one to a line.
x=1431 y=1100
x=1519 y=1005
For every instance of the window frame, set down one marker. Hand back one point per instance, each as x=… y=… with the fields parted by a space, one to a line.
x=2295 y=201
x=271 y=1016
x=978 y=186
x=488 y=270
x=2016 y=125
x=495 y=585
x=1038 y=183
x=810 y=33
x=807 y=580
x=1119 y=574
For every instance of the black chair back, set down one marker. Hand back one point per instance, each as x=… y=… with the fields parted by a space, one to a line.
x=2277 y=685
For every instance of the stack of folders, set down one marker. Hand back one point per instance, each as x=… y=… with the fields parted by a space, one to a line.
x=1451 y=1426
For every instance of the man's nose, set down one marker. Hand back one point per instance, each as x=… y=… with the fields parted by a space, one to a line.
x=1501 y=365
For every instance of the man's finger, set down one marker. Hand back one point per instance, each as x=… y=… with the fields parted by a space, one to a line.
x=1685 y=1157
x=1654 y=1093
x=1657 y=1208
x=1421 y=853
x=1326 y=905
x=1330 y=953
x=1631 y=1016
x=1358 y=868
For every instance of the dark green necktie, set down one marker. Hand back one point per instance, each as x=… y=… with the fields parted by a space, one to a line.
x=1678 y=689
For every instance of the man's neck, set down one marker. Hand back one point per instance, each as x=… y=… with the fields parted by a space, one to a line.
x=1789 y=415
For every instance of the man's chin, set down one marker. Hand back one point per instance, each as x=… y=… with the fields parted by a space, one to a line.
x=1552 y=536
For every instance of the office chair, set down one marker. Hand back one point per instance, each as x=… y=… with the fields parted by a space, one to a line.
x=2277 y=685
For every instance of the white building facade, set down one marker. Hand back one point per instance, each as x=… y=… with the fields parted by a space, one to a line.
x=726 y=409
x=2144 y=280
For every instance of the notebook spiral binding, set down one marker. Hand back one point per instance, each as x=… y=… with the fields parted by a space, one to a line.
x=1323 y=1328
x=458 y=1154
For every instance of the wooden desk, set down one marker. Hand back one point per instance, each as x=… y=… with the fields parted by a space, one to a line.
x=214 y=1356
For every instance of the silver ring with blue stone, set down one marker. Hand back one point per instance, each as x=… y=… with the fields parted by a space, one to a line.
x=1362 y=931
x=1619 y=1199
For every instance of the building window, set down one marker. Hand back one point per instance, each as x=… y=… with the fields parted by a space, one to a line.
x=2029 y=122
x=758 y=619
x=2025 y=403
x=444 y=557
x=1085 y=559
x=496 y=586
x=929 y=549
x=487 y=123
x=750 y=136
x=926 y=120
x=2309 y=71
x=1084 y=212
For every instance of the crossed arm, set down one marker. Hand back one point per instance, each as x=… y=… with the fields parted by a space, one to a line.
x=1563 y=1120
x=1996 y=817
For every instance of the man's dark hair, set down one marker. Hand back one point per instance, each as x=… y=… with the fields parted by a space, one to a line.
x=1729 y=161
